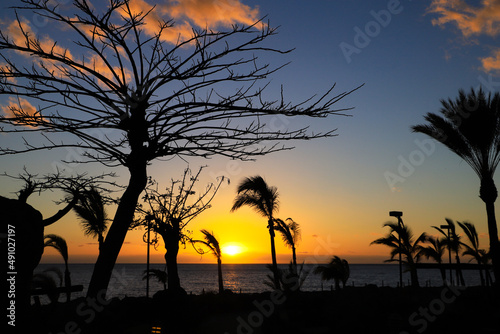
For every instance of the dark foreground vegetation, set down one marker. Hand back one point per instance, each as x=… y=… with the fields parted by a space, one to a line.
x=351 y=310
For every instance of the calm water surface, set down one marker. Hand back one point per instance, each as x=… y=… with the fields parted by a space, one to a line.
x=246 y=278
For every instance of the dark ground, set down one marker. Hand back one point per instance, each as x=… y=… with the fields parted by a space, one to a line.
x=352 y=310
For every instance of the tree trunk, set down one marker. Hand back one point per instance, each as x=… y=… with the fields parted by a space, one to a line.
x=67 y=283
x=443 y=273
x=337 y=284
x=488 y=193
x=494 y=244
x=172 y=237
x=413 y=274
x=459 y=274
x=219 y=272
x=174 y=283
x=294 y=257
x=277 y=284
x=481 y=276
x=118 y=230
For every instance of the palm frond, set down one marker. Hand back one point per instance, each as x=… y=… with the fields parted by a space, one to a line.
x=58 y=243
x=212 y=242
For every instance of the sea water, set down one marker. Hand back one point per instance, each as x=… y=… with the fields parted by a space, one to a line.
x=127 y=279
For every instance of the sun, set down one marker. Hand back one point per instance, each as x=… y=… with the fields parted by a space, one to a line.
x=232 y=249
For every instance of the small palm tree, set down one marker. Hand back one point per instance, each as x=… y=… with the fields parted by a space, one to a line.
x=291 y=279
x=92 y=213
x=436 y=252
x=58 y=243
x=254 y=192
x=290 y=231
x=453 y=243
x=401 y=241
x=337 y=269
x=471 y=129
x=213 y=244
x=160 y=275
x=473 y=249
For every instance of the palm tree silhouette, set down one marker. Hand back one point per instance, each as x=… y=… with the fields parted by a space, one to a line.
x=92 y=213
x=473 y=249
x=337 y=269
x=435 y=251
x=254 y=192
x=409 y=247
x=471 y=129
x=291 y=235
x=59 y=244
x=160 y=275
x=453 y=243
x=213 y=244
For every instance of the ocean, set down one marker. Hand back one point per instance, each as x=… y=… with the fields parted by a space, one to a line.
x=240 y=278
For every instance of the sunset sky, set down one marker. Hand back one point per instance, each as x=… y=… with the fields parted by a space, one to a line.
x=408 y=54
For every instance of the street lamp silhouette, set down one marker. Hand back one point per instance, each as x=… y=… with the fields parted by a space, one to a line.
x=148 y=219
x=448 y=227
x=399 y=214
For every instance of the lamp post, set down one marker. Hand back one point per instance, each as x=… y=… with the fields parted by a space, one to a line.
x=447 y=227
x=399 y=214
x=148 y=220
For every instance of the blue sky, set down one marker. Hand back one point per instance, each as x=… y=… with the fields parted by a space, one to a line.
x=337 y=188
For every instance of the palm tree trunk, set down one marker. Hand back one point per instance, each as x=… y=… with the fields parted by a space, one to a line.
x=488 y=193
x=219 y=272
x=443 y=272
x=494 y=244
x=100 y=240
x=118 y=230
x=273 y=255
x=481 y=271
x=294 y=257
x=67 y=282
x=459 y=274
x=414 y=276
x=337 y=284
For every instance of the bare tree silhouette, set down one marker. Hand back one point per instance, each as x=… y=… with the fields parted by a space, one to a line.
x=168 y=213
x=145 y=97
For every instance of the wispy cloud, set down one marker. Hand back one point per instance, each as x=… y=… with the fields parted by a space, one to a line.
x=23 y=109
x=191 y=14
x=492 y=63
x=470 y=20
x=481 y=19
